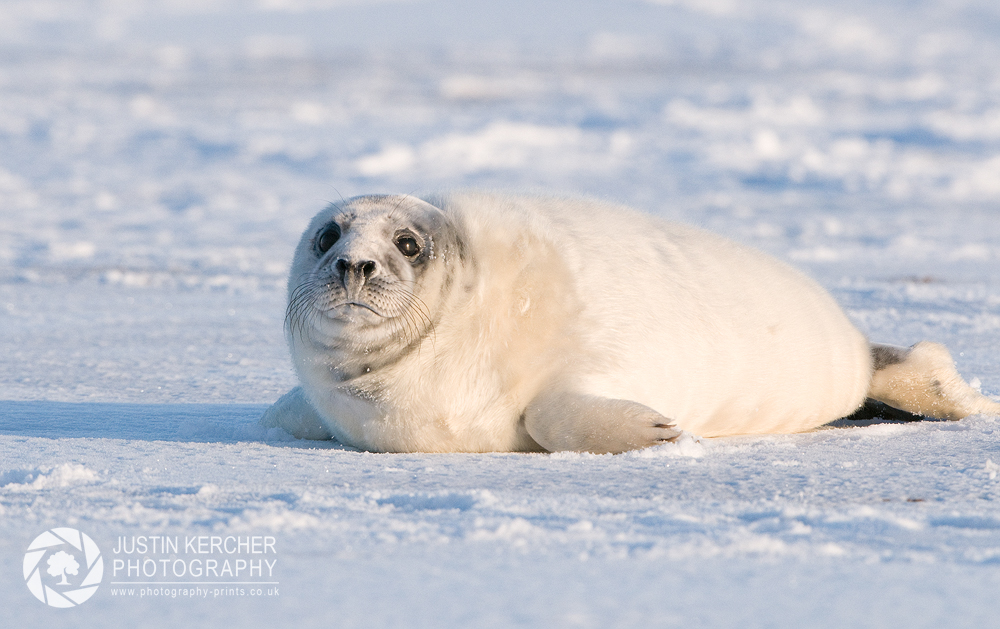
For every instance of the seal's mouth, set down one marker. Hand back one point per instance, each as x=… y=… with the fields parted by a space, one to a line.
x=349 y=307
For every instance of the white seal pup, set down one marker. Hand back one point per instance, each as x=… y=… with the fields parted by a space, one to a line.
x=488 y=322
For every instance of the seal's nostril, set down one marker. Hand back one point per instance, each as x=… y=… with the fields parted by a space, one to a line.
x=341 y=266
x=367 y=267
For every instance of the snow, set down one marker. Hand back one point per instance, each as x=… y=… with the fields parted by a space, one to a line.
x=159 y=160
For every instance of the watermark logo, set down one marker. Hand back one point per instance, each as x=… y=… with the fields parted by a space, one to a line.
x=63 y=567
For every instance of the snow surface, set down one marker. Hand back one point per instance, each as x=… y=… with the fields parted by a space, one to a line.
x=159 y=159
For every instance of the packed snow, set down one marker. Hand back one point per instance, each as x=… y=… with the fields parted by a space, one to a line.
x=158 y=161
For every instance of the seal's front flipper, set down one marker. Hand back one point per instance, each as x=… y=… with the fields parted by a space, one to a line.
x=588 y=423
x=922 y=380
x=296 y=415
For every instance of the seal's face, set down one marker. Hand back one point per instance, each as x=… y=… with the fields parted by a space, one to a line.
x=367 y=275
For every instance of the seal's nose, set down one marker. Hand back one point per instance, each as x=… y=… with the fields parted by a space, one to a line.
x=365 y=268
x=353 y=275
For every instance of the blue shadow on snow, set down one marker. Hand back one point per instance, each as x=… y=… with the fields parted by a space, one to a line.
x=144 y=422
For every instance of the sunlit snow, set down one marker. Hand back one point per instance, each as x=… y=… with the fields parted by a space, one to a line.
x=158 y=161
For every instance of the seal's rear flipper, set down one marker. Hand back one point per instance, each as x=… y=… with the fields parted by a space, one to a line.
x=589 y=423
x=295 y=415
x=922 y=380
x=873 y=409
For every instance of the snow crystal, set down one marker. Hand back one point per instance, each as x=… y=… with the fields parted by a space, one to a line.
x=62 y=475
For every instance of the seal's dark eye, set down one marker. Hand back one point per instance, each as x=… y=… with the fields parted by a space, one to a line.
x=328 y=237
x=407 y=245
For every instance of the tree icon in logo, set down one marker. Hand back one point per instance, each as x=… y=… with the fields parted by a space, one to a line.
x=67 y=551
x=61 y=563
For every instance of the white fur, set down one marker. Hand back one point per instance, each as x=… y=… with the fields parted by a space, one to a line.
x=597 y=300
x=717 y=337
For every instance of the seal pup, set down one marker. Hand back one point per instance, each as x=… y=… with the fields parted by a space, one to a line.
x=477 y=321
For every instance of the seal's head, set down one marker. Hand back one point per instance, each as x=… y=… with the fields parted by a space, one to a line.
x=368 y=276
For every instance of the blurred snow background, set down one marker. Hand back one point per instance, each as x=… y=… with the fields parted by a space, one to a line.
x=158 y=161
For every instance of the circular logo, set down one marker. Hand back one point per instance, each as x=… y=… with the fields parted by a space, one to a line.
x=63 y=567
